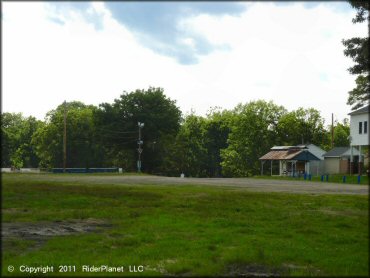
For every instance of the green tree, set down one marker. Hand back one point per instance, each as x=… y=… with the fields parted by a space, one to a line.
x=253 y=132
x=359 y=96
x=358 y=49
x=16 y=134
x=341 y=135
x=217 y=129
x=117 y=127
x=196 y=150
x=301 y=126
x=190 y=153
x=81 y=148
x=10 y=127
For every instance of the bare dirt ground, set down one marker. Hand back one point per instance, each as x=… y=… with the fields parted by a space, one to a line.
x=55 y=228
x=259 y=185
x=40 y=232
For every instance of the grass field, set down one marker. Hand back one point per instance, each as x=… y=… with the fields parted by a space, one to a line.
x=185 y=230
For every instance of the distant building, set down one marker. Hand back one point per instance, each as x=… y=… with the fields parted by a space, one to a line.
x=337 y=160
x=359 y=136
x=294 y=160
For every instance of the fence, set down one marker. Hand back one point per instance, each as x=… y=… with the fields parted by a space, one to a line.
x=61 y=170
x=21 y=170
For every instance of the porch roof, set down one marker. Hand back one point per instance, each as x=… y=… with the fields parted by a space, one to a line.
x=292 y=154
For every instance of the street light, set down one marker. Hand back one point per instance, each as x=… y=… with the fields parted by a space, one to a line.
x=140 y=149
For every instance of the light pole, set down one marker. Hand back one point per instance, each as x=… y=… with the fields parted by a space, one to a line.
x=140 y=149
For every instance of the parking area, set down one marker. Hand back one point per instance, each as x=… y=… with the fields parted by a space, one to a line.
x=252 y=184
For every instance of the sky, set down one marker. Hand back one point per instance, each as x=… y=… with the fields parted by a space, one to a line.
x=203 y=54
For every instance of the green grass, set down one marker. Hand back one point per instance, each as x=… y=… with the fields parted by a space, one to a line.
x=189 y=230
x=333 y=178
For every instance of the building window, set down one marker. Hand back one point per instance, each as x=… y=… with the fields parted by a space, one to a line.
x=360 y=127
x=365 y=127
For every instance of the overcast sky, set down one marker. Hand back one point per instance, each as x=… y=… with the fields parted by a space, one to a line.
x=203 y=54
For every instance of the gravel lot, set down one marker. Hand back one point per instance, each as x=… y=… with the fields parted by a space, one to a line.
x=260 y=185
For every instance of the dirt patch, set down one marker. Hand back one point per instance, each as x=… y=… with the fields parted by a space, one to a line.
x=161 y=266
x=259 y=270
x=254 y=270
x=14 y=210
x=40 y=232
x=309 y=269
x=343 y=212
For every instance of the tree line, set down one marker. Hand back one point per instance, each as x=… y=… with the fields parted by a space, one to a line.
x=223 y=143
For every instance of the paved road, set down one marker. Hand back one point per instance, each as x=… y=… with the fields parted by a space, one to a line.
x=260 y=185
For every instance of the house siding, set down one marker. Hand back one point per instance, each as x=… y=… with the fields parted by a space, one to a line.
x=358 y=139
x=343 y=166
x=317 y=167
x=332 y=165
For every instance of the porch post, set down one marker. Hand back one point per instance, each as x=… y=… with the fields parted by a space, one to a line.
x=262 y=167
x=308 y=167
x=359 y=161
x=280 y=167
x=271 y=167
x=351 y=161
x=305 y=167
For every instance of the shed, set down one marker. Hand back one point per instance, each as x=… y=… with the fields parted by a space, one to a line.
x=292 y=159
x=337 y=160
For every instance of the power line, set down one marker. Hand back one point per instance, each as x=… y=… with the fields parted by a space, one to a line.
x=114 y=131
x=116 y=137
x=105 y=144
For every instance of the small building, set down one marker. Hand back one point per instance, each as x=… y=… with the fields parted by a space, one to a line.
x=337 y=160
x=359 y=136
x=294 y=160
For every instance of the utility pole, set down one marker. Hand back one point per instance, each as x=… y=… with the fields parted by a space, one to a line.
x=140 y=149
x=65 y=138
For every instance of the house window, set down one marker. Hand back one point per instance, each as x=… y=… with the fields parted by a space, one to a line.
x=360 y=127
x=365 y=127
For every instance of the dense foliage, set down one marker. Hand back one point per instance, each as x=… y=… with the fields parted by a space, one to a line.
x=16 y=146
x=223 y=143
x=358 y=49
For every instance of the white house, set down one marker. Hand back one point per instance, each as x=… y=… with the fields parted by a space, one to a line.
x=359 y=134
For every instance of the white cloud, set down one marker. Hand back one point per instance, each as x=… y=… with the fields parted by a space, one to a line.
x=291 y=55
x=288 y=54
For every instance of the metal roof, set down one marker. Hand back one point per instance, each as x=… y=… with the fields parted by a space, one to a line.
x=362 y=110
x=340 y=151
x=281 y=147
x=277 y=148
x=292 y=154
